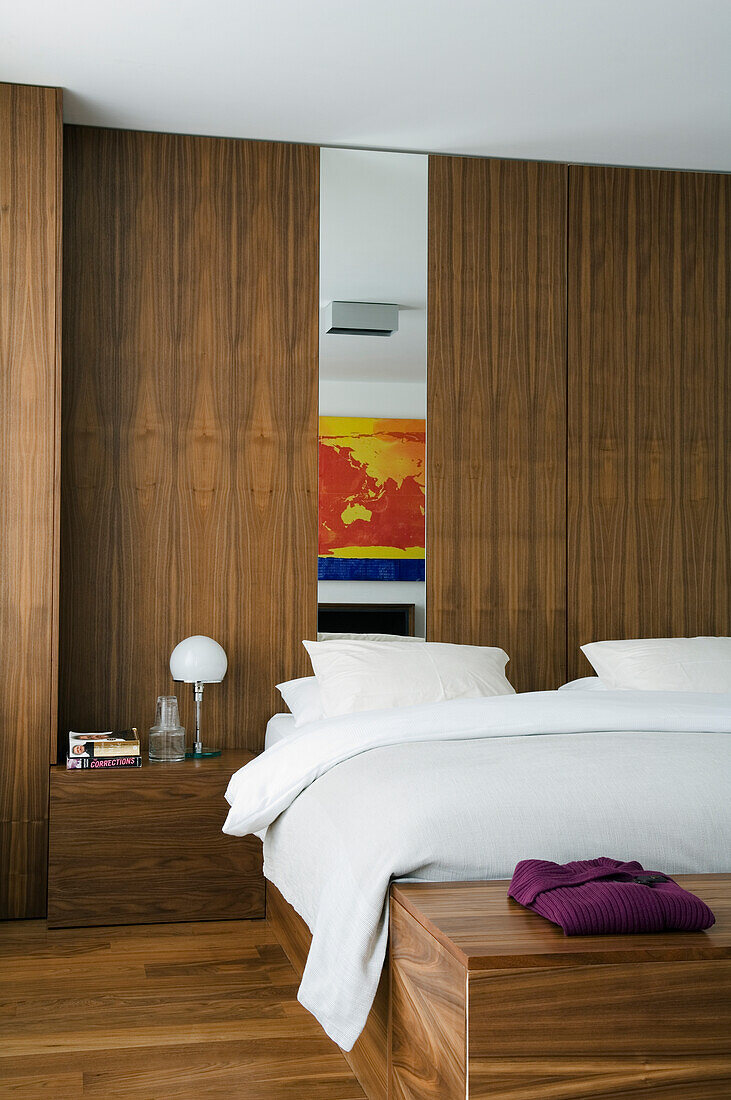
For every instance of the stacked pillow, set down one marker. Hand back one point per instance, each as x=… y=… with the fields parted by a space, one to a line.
x=585 y=683
x=353 y=675
x=359 y=672
x=327 y=637
x=303 y=698
x=663 y=664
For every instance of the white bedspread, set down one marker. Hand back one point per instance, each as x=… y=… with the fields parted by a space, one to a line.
x=463 y=790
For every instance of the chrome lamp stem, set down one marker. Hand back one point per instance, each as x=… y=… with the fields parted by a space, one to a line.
x=198 y=696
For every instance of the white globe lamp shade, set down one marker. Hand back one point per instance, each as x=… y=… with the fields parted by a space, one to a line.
x=198 y=660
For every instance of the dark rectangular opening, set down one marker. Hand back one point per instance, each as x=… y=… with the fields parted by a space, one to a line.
x=366 y=618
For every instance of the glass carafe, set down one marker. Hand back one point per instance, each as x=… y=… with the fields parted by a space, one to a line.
x=167 y=736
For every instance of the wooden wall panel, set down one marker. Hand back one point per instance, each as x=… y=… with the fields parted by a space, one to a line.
x=649 y=338
x=30 y=179
x=189 y=422
x=496 y=453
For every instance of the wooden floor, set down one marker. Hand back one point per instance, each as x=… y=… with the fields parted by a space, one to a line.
x=157 y=1011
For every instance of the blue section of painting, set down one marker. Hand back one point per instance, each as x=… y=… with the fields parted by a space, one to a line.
x=370 y=569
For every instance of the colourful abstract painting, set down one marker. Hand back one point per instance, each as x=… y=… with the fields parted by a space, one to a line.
x=372 y=499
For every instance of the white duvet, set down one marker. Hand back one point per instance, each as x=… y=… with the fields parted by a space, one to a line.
x=463 y=790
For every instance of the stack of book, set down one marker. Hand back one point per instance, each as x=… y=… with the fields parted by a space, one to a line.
x=113 y=749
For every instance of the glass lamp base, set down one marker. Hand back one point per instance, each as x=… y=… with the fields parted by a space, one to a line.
x=201 y=753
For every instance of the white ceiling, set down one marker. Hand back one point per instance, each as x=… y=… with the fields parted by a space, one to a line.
x=644 y=82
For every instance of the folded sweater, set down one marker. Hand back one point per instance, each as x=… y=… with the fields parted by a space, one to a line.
x=592 y=897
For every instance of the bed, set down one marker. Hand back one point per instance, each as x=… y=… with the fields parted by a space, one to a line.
x=463 y=789
x=413 y=761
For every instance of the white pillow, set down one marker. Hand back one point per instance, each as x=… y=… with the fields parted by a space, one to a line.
x=585 y=683
x=355 y=676
x=303 y=698
x=325 y=637
x=663 y=664
x=279 y=728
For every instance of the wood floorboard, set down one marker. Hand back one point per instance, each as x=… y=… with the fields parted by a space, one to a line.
x=159 y=1012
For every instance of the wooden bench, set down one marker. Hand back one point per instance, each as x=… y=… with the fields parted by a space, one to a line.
x=490 y=1000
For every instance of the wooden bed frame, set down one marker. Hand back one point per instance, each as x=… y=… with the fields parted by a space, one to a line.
x=480 y=999
x=369 y=1057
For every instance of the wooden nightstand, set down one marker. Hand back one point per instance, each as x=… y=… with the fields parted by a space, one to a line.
x=139 y=846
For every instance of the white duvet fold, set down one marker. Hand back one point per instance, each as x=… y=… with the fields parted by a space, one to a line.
x=465 y=789
x=261 y=790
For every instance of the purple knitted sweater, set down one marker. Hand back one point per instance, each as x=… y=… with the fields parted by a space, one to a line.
x=592 y=897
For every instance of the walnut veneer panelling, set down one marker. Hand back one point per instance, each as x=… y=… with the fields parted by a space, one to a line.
x=189 y=500
x=649 y=405
x=30 y=192
x=496 y=455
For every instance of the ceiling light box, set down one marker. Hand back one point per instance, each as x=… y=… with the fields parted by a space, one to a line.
x=361 y=318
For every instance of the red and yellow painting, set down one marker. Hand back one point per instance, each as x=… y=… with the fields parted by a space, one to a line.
x=372 y=499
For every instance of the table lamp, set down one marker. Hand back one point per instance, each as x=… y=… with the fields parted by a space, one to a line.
x=198 y=660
